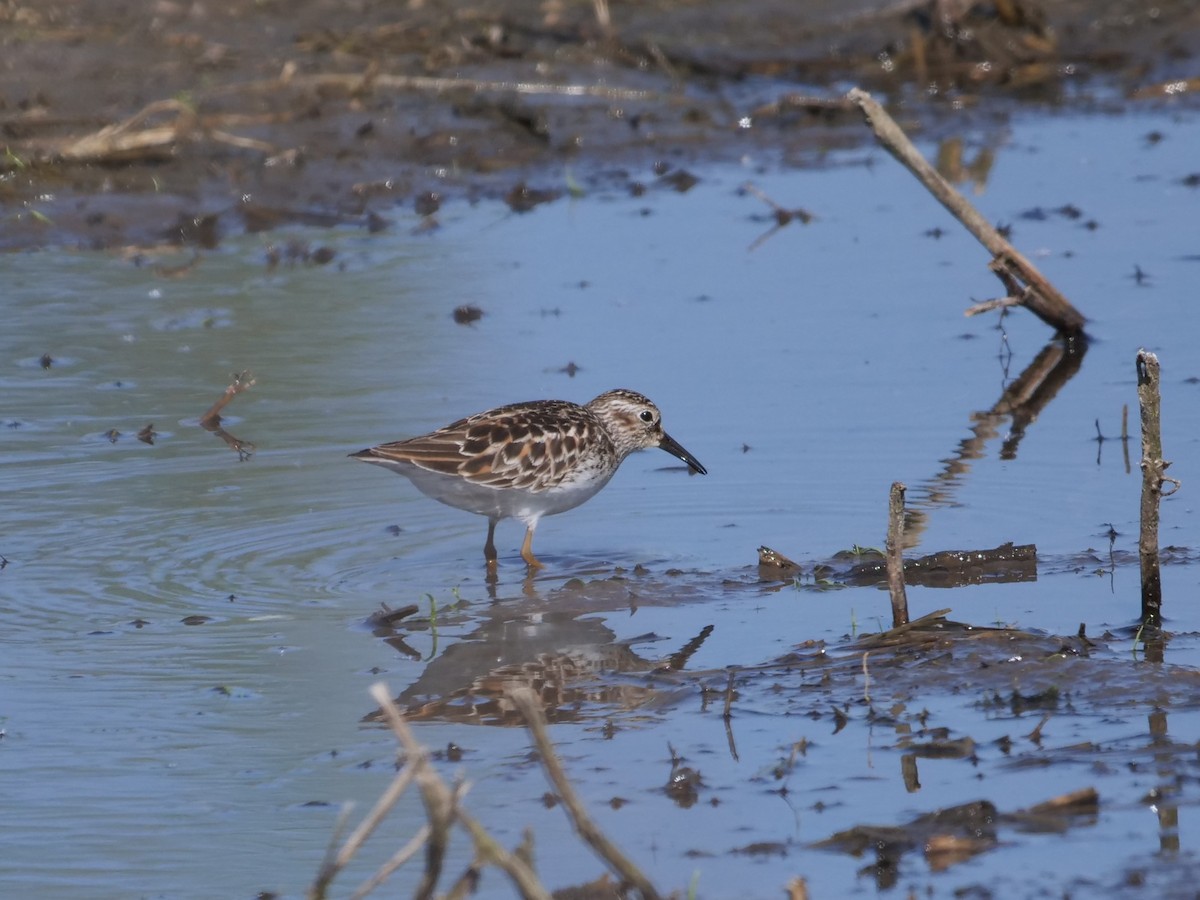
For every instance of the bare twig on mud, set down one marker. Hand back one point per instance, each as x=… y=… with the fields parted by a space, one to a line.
x=133 y=139
x=895 y=554
x=1020 y=277
x=527 y=704
x=896 y=635
x=129 y=140
x=355 y=83
x=1153 y=478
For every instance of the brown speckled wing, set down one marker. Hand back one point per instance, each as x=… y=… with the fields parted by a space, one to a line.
x=525 y=445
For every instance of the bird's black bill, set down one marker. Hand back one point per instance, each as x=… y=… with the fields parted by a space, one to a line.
x=673 y=447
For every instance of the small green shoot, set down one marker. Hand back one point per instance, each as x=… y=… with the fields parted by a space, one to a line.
x=574 y=188
x=856 y=550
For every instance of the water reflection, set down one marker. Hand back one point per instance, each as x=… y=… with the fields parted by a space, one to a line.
x=552 y=642
x=211 y=420
x=1023 y=400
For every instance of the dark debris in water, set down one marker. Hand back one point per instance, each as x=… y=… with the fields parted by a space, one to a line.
x=947 y=568
x=958 y=833
x=467 y=314
x=522 y=198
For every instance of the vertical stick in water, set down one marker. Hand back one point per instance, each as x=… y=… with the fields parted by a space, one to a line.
x=1153 y=467
x=895 y=557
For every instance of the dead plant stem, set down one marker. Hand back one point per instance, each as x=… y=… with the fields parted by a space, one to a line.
x=1153 y=478
x=1013 y=269
x=527 y=704
x=895 y=554
x=397 y=859
x=360 y=82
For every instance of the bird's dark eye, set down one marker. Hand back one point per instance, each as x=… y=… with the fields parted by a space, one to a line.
x=646 y=416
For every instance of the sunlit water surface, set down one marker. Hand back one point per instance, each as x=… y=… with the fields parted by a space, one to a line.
x=146 y=756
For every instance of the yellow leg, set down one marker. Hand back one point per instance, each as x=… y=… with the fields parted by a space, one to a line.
x=489 y=549
x=527 y=551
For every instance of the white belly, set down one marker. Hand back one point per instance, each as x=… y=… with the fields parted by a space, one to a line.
x=504 y=503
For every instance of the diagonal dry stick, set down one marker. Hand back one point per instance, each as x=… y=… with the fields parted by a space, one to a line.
x=1020 y=277
x=527 y=704
x=394 y=862
x=523 y=877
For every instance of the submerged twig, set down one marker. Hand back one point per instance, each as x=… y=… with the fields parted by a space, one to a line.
x=1125 y=436
x=1020 y=277
x=866 y=678
x=727 y=715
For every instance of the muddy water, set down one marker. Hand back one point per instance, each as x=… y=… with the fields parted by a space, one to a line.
x=184 y=663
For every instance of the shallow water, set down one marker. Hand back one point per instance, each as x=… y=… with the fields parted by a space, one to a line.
x=807 y=374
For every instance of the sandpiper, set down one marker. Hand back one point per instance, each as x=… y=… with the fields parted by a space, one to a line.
x=529 y=460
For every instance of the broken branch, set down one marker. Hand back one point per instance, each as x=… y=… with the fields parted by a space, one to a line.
x=1038 y=295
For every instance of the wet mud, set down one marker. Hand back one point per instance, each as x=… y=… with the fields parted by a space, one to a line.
x=176 y=122
x=1018 y=698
